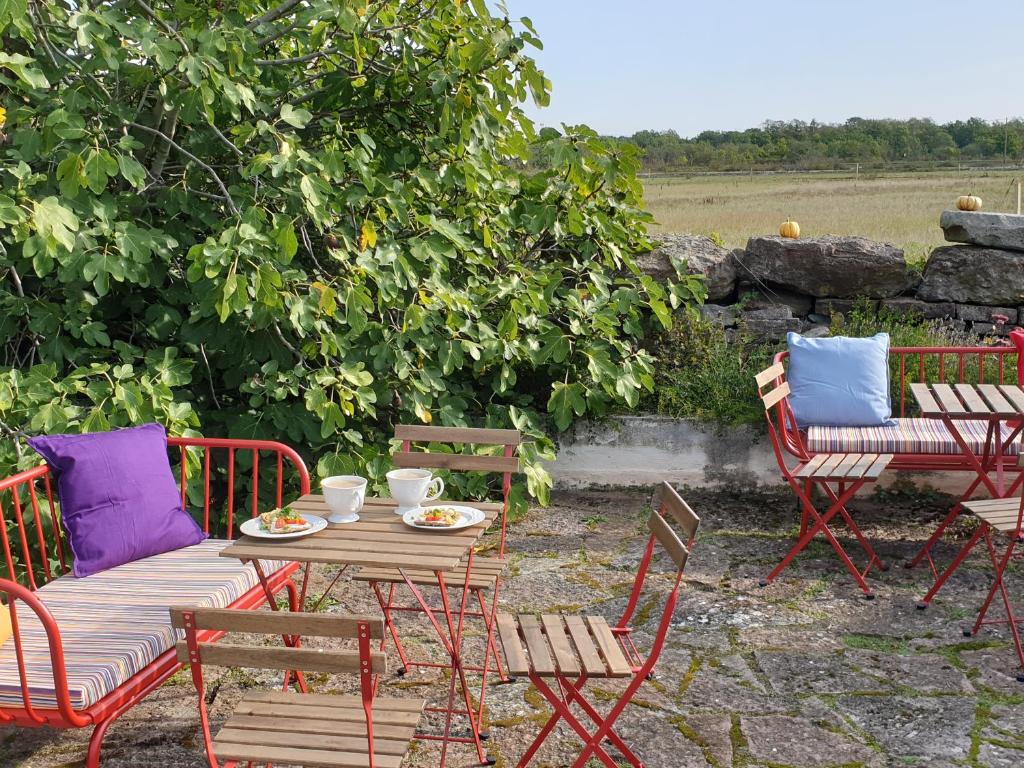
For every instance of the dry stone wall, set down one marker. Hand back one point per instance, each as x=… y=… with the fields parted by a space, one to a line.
x=777 y=285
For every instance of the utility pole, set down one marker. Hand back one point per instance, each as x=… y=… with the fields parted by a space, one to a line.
x=1006 y=138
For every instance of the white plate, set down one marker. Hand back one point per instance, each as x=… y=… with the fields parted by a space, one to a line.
x=251 y=527
x=470 y=516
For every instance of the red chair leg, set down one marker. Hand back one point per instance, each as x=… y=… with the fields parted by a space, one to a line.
x=821 y=525
x=944 y=576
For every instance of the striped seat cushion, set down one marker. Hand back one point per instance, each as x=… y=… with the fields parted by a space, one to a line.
x=922 y=436
x=114 y=623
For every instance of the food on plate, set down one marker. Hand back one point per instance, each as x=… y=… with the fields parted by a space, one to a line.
x=439 y=517
x=283 y=520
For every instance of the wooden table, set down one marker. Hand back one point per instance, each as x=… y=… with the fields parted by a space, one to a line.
x=1000 y=406
x=380 y=539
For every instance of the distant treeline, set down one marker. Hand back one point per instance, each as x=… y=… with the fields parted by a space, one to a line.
x=813 y=145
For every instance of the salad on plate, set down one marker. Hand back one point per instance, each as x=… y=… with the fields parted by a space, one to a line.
x=439 y=517
x=283 y=520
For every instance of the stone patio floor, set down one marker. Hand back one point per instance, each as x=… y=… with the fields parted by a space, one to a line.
x=802 y=673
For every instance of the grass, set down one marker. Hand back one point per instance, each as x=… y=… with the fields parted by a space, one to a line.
x=899 y=208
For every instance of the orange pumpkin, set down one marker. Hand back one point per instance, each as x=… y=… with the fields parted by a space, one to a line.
x=789 y=229
x=968 y=203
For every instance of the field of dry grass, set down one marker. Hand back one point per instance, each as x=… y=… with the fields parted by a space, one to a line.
x=900 y=208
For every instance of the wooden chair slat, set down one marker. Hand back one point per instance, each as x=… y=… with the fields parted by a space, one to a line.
x=948 y=399
x=565 y=658
x=1015 y=395
x=769 y=374
x=242 y=552
x=418 y=433
x=298 y=736
x=537 y=646
x=828 y=465
x=313 y=758
x=1008 y=504
x=278 y=622
x=354 y=727
x=996 y=401
x=929 y=405
x=863 y=464
x=508 y=633
x=263 y=657
x=269 y=709
x=808 y=469
x=585 y=647
x=458 y=462
x=878 y=466
x=971 y=398
x=670 y=502
x=845 y=467
x=288 y=698
x=668 y=539
x=772 y=398
x=613 y=656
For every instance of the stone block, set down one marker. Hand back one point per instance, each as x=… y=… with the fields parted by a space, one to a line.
x=970 y=274
x=928 y=310
x=715 y=313
x=976 y=313
x=843 y=267
x=692 y=254
x=829 y=307
x=993 y=230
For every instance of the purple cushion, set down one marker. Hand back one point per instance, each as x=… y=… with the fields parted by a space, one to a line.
x=118 y=498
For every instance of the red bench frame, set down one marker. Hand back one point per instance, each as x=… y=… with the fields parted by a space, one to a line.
x=101 y=714
x=910 y=359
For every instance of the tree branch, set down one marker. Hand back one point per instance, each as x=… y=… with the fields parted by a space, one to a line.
x=193 y=158
x=273 y=14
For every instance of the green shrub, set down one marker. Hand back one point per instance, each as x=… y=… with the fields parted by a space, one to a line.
x=704 y=374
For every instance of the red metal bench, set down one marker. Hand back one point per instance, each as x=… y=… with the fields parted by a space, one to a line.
x=34 y=557
x=977 y=365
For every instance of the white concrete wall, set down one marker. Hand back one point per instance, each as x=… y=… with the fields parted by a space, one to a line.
x=643 y=450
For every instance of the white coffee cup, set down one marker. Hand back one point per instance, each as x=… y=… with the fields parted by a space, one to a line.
x=344 y=494
x=411 y=487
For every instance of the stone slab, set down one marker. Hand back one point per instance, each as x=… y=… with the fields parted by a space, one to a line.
x=927 y=310
x=995 y=230
x=795 y=741
x=971 y=274
x=830 y=266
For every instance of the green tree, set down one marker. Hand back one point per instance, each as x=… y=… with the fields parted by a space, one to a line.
x=307 y=221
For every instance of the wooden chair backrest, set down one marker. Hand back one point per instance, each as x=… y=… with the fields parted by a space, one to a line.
x=669 y=506
x=221 y=620
x=773 y=395
x=457 y=462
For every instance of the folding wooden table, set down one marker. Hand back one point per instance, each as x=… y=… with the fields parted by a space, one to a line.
x=380 y=539
x=1002 y=407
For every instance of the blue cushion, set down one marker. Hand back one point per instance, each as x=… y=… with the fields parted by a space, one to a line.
x=840 y=382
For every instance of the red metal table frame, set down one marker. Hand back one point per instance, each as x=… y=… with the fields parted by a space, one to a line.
x=380 y=539
x=998 y=405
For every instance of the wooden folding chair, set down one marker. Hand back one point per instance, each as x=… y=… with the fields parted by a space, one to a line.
x=998 y=518
x=363 y=731
x=847 y=472
x=573 y=649
x=487 y=571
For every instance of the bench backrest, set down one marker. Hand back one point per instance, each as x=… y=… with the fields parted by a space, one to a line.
x=33 y=544
x=907 y=365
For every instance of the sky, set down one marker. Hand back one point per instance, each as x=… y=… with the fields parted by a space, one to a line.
x=692 y=65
